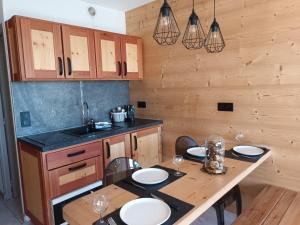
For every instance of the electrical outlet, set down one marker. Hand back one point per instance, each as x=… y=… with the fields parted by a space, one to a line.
x=25 y=119
x=141 y=104
x=225 y=106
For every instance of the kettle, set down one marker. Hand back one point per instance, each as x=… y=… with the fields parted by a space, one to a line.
x=130 y=110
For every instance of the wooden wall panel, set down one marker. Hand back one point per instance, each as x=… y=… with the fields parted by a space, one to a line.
x=259 y=70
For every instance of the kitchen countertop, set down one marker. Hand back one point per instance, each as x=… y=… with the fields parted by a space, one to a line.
x=60 y=139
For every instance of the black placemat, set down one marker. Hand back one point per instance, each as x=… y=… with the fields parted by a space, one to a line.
x=182 y=209
x=253 y=159
x=193 y=158
x=125 y=184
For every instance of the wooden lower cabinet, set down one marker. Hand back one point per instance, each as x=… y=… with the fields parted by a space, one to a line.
x=146 y=146
x=49 y=175
x=117 y=146
x=74 y=176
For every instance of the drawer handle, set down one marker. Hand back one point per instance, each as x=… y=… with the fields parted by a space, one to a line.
x=135 y=143
x=107 y=150
x=76 y=153
x=77 y=167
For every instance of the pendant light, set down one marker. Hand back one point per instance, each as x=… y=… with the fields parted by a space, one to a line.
x=194 y=36
x=214 y=42
x=166 y=31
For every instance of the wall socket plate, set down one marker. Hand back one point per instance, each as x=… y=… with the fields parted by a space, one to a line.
x=25 y=119
x=225 y=106
x=141 y=104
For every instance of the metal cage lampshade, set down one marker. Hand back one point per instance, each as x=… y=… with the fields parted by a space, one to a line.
x=214 y=42
x=194 y=36
x=166 y=30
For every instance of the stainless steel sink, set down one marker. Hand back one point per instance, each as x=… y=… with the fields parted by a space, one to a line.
x=88 y=131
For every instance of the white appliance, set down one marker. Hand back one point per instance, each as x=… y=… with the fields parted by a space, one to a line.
x=59 y=202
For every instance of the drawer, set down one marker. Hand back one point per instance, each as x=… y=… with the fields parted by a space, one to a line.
x=74 y=176
x=74 y=154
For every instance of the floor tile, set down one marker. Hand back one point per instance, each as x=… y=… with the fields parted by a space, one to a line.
x=210 y=218
x=6 y=217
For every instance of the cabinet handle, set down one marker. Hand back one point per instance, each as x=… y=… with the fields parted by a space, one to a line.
x=135 y=143
x=125 y=68
x=60 y=64
x=77 y=167
x=119 y=68
x=107 y=150
x=76 y=153
x=69 y=66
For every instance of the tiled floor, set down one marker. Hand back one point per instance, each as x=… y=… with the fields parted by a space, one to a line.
x=10 y=214
x=209 y=218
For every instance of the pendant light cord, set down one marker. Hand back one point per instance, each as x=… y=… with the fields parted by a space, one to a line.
x=214 y=9
x=193 y=4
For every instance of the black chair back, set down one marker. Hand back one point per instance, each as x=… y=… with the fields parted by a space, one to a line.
x=119 y=168
x=183 y=143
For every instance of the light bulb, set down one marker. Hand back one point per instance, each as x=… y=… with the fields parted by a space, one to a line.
x=215 y=34
x=193 y=29
x=165 y=21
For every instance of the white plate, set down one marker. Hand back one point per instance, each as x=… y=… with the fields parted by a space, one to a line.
x=197 y=151
x=248 y=150
x=146 y=211
x=150 y=176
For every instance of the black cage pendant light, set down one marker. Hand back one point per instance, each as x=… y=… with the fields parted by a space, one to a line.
x=214 y=42
x=194 y=36
x=166 y=31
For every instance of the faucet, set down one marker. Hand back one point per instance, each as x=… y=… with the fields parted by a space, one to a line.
x=85 y=113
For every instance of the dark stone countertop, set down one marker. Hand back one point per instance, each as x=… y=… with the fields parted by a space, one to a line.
x=60 y=139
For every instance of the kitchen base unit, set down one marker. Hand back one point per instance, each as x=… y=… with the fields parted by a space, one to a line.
x=47 y=175
x=57 y=167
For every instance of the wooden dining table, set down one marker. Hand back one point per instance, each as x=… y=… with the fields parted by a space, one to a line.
x=197 y=188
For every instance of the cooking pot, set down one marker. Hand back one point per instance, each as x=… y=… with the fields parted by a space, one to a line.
x=118 y=116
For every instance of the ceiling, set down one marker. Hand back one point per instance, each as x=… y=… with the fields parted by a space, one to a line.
x=121 y=5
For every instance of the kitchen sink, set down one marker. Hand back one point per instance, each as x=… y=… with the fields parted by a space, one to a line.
x=88 y=131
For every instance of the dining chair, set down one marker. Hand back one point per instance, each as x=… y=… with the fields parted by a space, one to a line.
x=185 y=142
x=119 y=169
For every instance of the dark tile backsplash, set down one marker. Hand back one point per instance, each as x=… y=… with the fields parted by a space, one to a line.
x=58 y=105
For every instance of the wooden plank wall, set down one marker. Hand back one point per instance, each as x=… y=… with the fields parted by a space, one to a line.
x=259 y=71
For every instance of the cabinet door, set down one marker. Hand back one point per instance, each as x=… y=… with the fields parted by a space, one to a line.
x=108 y=55
x=146 y=146
x=42 y=49
x=115 y=147
x=79 y=52
x=132 y=58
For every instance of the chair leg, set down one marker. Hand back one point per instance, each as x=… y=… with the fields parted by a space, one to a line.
x=238 y=199
x=219 y=207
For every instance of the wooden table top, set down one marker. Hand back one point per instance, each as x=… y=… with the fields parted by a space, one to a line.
x=197 y=188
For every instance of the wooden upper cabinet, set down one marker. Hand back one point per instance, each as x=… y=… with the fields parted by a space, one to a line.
x=42 y=49
x=108 y=55
x=79 y=52
x=132 y=57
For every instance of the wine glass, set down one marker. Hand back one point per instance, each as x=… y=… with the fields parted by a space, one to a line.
x=239 y=137
x=100 y=205
x=177 y=161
